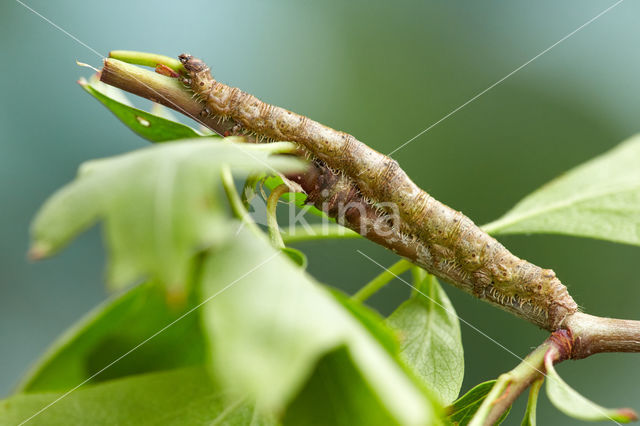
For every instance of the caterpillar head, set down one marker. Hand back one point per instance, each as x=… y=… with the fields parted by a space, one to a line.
x=199 y=78
x=191 y=64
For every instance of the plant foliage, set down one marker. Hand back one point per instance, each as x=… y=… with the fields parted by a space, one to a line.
x=227 y=329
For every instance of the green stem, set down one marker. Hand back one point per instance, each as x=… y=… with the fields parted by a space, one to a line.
x=532 y=403
x=510 y=385
x=317 y=231
x=272 y=218
x=146 y=59
x=381 y=280
x=418 y=275
x=235 y=202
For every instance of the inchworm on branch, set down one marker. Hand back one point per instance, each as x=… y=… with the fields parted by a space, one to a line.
x=444 y=241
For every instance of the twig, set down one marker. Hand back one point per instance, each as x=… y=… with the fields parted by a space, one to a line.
x=591 y=334
x=583 y=336
x=338 y=196
x=510 y=385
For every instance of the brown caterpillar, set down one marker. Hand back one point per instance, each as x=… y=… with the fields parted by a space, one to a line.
x=442 y=240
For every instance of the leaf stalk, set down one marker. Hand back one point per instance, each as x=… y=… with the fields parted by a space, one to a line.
x=272 y=217
x=373 y=286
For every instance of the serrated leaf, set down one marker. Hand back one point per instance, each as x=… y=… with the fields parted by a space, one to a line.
x=571 y=403
x=160 y=205
x=184 y=397
x=532 y=403
x=599 y=199
x=462 y=410
x=111 y=330
x=430 y=338
x=270 y=323
x=153 y=127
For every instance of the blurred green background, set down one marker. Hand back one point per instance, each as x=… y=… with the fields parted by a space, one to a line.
x=382 y=71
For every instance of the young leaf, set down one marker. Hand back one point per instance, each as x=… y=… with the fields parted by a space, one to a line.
x=462 y=410
x=530 y=415
x=599 y=199
x=111 y=330
x=430 y=338
x=159 y=205
x=184 y=397
x=571 y=403
x=269 y=324
x=150 y=126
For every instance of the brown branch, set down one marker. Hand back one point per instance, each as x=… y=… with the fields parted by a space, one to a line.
x=583 y=335
x=592 y=335
x=330 y=191
x=340 y=198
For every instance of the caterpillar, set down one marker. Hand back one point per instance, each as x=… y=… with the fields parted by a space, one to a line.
x=436 y=237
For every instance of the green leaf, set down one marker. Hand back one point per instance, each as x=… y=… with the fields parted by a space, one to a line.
x=530 y=415
x=269 y=324
x=296 y=256
x=182 y=397
x=599 y=199
x=150 y=126
x=160 y=205
x=337 y=394
x=571 y=403
x=430 y=338
x=371 y=320
x=111 y=330
x=462 y=410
